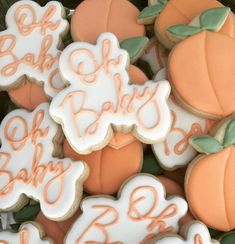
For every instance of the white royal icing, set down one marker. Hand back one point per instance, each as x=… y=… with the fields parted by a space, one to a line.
x=155 y=55
x=197 y=234
x=99 y=96
x=175 y=151
x=28 y=168
x=138 y=215
x=29 y=45
x=28 y=234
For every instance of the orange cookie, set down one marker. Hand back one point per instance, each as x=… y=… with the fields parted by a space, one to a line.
x=109 y=167
x=205 y=83
x=209 y=182
x=93 y=17
x=29 y=95
x=175 y=12
x=172 y=188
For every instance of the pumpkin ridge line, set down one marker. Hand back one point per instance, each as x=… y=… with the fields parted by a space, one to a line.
x=108 y=14
x=225 y=169
x=170 y=2
x=209 y=75
x=100 y=169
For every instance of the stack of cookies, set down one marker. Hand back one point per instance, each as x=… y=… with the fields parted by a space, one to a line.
x=118 y=123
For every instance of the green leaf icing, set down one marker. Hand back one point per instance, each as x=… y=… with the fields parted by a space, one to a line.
x=151 y=165
x=211 y=19
x=206 y=144
x=228 y=238
x=214 y=18
x=135 y=47
x=149 y=13
x=229 y=136
x=183 y=30
x=27 y=213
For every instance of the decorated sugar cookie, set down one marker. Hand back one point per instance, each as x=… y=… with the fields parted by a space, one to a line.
x=29 y=45
x=28 y=168
x=29 y=95
x=140 y=213
x=99 y=98
x=155 y=55
x=92 y=17
x=29 y=233
x=164 y=14
x=193 y=233
x=175 y=151
x=209 y=180
x=208 y=89
x=228 y=238
x=110 y=166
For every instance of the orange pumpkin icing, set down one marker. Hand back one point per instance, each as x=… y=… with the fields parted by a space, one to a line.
x=183 y=12
x=210 y=189
x=202 y=71
x=29 y=95
x=109 y=167
x=92 y=17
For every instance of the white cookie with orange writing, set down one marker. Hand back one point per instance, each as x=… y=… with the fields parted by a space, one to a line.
x=140 y=213
x=155 y=55
x=175 y=151
x=191 y=233
x=28 y=233
x=29 y=45
x=29 y=170
x=99 y=98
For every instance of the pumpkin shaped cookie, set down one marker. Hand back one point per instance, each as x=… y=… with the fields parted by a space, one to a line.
x=110 y=167
x=205 y=83
x=29 y=95
x=175 y=12
x=209 y=181
x=93 y=17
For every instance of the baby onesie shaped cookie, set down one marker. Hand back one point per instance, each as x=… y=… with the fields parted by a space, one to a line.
x=192 y=233
x=28 y=168
x=29 y=45
x=99 y=98
x=28 y=234
x=141 y=212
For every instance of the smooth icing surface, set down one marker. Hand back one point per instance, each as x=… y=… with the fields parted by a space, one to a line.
x=175 y=151
x=228 y=238
x=183 y=12
x=87 y=116
x=28 y=234
x=92 y=17
x=29 y=95
x=28 y=167
x=205 y=82
x=197 y=233
x=109 y=167
x=29 y=45
x=211 y=19
x=156 y=55
x=138 y=215
x=216 y=189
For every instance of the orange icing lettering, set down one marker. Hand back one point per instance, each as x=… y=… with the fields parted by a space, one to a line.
x=198 y=239
x=156 y=222
x=25 y=28
x=39 y=170
x=107 y=211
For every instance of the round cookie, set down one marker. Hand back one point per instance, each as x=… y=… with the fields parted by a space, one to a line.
x=175 y=12
x=205 y=83
x=228 y=238
x=209 y=181
x=109 y=167
x=29 y=95
x=92 y=17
